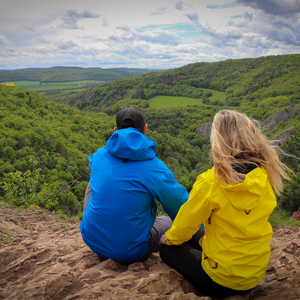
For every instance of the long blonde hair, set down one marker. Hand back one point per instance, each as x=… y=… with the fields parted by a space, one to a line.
x=237 y=140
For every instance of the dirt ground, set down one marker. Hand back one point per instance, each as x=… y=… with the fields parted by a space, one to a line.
x=43 y=256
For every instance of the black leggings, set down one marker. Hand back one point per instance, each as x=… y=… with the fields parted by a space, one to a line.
x=186 y=259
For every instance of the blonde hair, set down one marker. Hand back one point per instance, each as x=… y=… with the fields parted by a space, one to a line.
x=237 y=140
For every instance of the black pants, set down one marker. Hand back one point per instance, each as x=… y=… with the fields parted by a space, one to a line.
x=186 y=260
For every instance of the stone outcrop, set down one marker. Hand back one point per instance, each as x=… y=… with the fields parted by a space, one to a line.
x=204 y=130
x=43 y=256
x=271 y=122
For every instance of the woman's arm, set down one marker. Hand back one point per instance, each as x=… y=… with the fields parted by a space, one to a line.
x=192 y=214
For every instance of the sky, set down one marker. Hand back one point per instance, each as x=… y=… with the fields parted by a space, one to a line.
x=152 y=34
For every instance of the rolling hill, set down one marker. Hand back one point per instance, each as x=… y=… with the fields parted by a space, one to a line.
x=59 y=137
x=68 y=74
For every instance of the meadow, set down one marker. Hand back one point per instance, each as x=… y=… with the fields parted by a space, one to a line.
x=37 y=87
x=175 y=101
x=216 y=96
x=57 y=91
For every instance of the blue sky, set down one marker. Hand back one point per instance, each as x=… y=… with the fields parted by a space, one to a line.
x=144 y=34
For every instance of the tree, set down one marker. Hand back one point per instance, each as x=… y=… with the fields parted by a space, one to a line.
x=26 y=189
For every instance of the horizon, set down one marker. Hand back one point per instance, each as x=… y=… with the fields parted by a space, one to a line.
x=156 y=35
x=77 y=67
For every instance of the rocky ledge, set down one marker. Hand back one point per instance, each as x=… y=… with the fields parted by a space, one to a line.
x=43 y=256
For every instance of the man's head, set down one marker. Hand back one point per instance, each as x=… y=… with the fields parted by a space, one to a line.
x=131 y=117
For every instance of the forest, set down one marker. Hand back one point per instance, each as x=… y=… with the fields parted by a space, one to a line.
x=44 y=145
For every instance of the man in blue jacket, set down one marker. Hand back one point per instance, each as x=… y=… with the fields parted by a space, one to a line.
x=119 y=219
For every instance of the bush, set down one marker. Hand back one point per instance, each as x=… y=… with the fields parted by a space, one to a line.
x=26 y=189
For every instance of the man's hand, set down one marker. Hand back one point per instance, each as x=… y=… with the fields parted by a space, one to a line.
x=162 y=240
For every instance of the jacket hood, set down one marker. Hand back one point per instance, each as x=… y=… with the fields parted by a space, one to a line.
x=131 y=144
x=247 y=194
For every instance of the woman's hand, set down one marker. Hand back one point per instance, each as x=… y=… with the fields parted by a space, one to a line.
x=163 y=240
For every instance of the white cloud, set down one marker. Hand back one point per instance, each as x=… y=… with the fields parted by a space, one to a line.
x=65 y=45
x=5 y=41
x=275 y=7
x=179 y=5
x=104 y=22
x=154 y=36
x=71 y=17
x=143 y=33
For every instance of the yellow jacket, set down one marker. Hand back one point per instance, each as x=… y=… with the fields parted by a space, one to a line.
x=236 y=244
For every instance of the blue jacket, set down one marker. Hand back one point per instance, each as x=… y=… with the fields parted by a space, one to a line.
x=126 y=178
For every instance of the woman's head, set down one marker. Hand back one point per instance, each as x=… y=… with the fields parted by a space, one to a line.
x=237 y=140
x=235 y=136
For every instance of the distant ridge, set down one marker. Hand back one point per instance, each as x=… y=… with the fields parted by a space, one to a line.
x=68 y=74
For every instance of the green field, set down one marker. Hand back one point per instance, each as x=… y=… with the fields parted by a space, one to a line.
x=36 y=86
x=216 y=95
x=168 y=101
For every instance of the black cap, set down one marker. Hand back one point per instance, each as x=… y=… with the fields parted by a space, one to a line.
x=130 y=117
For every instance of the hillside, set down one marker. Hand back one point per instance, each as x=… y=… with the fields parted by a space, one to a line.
x=257 y=85
x=260 y=87
x=51 y=142
x=44 y=149
x=67 y=74
x=44 y=257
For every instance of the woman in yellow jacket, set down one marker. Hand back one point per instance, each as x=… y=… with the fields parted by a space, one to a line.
x=234 y=200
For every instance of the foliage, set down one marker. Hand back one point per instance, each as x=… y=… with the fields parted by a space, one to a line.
x=58 y=137
x=28 y=189
x=281 y=218
x=243 y=81
x=8 y=83
x=61 y=137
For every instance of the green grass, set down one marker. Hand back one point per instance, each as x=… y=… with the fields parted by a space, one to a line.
x=216 y=95
x=168 y=101
x=280 y=218
x=35 y=85
x=4 y=231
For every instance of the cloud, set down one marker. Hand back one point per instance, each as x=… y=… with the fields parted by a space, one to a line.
x=29 y=28
x=157 y=36
x=256 y=31
x=165 y=34
x=43 y=41
x=71 y=17
x=160 y=37
x=247 y=17
x=5 y=41
x=65 y=45
x=124 y=28
x=104 y=22
x=274 y=7
x=193 y=17
x=159 y=11
x=179 y=5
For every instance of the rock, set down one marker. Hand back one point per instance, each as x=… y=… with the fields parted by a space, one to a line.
x=204 y=129
x=55 y=263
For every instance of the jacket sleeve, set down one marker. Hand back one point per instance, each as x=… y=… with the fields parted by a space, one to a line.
x=171 y=194
x=192 y=214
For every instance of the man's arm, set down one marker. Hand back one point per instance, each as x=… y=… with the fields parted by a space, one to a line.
x=171 y=194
